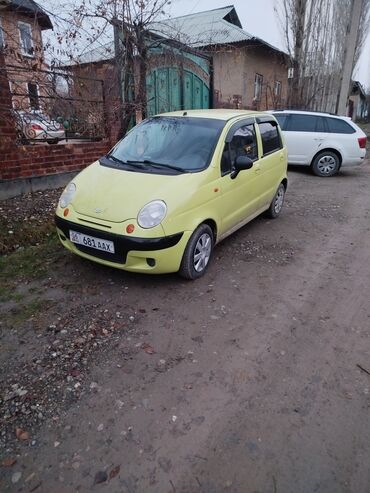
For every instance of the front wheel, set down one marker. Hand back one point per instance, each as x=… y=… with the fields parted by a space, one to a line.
x=277 y=203
x=326 y=163
x=197 y=253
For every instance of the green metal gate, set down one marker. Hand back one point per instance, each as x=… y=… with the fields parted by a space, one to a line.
x=169 y=89
x=183 y=84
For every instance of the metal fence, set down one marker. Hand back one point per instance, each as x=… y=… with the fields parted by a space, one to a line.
x=58 y=105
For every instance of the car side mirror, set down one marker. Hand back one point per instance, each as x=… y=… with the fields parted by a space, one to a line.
x=241 y=163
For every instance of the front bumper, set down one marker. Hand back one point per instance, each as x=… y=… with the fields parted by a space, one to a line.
x=136 y=254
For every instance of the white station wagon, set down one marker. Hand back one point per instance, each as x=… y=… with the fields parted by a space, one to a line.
x=321 y=140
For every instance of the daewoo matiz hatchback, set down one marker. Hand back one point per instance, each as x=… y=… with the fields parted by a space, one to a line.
x=173 y=187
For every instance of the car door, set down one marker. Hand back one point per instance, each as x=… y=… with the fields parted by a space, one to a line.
x=303 y=137
x=272 y=163
x=239 y=195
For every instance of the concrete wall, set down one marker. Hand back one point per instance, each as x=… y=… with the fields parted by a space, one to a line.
x=234 y=74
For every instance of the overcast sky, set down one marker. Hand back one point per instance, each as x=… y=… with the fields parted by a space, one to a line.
x=257 y=17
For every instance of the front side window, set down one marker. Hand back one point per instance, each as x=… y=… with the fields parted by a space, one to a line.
x=164 y=142
x=282 y=118
x=271 y=141
x=258 y=81
x=25 y=35
x=243 y=143
x=33 y=95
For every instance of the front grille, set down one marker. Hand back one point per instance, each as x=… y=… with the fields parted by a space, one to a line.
x=122 y=244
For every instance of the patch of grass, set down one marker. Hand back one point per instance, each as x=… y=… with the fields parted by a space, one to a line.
x=28 y=264
x=24 y=312
x=24 y=234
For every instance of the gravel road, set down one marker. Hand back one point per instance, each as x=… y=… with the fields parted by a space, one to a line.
x=255 y=378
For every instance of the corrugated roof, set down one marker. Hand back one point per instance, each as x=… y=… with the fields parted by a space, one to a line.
x=105 y=52
x=211 y=27
x=29 y=7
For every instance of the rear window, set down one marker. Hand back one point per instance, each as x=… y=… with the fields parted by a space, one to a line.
x=270 y=137
x=337 y=126
x=302 y=123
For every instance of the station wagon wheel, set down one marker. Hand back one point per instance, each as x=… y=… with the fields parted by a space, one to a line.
x=197 y=253
x=277 y=202
x=326 y=163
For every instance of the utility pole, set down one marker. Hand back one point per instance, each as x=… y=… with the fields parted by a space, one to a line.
x=351 y=42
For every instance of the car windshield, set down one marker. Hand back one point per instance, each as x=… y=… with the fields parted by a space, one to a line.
x=178 y=143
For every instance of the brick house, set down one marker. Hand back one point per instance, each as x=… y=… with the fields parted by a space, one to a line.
x=248 y=72
x=21 y=26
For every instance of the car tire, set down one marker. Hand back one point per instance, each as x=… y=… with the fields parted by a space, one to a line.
x=198 y=253
x=277 y=203
x=326 y=163
x=52 y=141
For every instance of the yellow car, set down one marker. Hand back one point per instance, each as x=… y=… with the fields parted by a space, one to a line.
x=173 y=187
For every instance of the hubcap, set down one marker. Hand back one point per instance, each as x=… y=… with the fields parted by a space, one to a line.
x=326 y=165
x=202 y=252
x=279 y=199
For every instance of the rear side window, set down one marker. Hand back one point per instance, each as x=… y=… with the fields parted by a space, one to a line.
x=337 y=126
x=270 y=137
x=282 y=119
x=302 y=123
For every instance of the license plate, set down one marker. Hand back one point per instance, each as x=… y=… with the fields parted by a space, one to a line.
x=91 y=241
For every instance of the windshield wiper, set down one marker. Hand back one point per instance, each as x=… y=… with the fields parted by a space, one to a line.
x=162 y=165
x=113 y=158
x=131 y=163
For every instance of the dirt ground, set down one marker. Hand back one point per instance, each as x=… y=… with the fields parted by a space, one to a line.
x=254 y=378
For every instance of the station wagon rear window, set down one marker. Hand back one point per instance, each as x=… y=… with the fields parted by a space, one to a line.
x=337 y=126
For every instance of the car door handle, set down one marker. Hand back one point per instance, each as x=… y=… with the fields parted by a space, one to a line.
x=320 y=140
x=257 y=169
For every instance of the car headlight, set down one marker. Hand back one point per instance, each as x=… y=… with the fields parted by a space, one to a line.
x=152 y=214
x=67 y=195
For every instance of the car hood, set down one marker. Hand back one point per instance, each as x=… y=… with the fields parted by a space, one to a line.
x=116 y=195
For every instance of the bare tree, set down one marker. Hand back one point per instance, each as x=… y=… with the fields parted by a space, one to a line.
x=315 y=37
x=130 y=20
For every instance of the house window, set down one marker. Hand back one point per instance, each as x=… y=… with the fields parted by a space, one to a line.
x=33 y=95
x=2 y=41
x=277 y=89
x=25 y=35
x=258 y=81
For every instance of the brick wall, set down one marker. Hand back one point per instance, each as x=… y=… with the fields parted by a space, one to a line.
x=41 y=159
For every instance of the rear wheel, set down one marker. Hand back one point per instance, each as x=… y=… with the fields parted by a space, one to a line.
x=197 y=253
x=326 y=163
x=277 y=203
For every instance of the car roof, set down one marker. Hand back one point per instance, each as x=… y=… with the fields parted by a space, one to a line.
x=315 y=113
x=217 y=114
